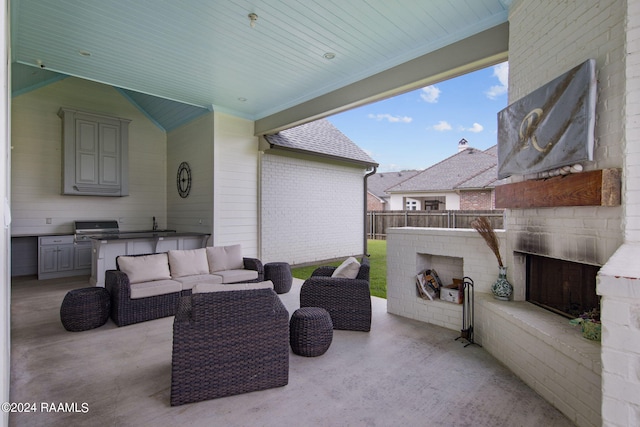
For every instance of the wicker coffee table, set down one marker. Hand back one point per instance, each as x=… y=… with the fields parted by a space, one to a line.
x=85 y=308
x=310 y=331
x=280 y=275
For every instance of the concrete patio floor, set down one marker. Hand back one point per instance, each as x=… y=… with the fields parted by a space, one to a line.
x=402 y=373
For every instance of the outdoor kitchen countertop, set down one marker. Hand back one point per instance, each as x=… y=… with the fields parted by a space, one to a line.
x=146 y=235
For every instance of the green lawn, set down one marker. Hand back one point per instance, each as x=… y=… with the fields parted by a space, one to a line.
x=378 y=274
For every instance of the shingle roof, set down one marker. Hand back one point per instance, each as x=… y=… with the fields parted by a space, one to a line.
x=320 y=137
x=471 y=168
x=378 y=183
x=484 y=179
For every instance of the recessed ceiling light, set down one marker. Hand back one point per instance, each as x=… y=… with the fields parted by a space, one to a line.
x=329 y=55
x=84 y=52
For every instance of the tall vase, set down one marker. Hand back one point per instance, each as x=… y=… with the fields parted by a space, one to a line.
x=502 y=289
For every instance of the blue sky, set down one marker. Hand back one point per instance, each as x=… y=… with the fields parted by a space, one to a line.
x=420 y=128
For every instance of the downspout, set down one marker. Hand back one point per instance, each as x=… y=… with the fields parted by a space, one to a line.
x=364 y=252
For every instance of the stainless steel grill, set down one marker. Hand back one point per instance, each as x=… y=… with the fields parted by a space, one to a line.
x=84 y=230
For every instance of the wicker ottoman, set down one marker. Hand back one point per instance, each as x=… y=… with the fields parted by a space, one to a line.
x=85 y=308
x=280 y=274
x=310 y=331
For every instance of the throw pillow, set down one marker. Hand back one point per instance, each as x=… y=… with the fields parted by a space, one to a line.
x=145 y=268
x=349 y=269
x=188 y=262
x=222 y=258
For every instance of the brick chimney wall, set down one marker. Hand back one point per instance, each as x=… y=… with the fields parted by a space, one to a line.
x=477 y=200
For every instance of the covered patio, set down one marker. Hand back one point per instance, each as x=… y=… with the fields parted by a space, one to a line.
x=403 y=372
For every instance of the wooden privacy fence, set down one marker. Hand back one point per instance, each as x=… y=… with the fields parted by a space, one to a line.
x=379 y=221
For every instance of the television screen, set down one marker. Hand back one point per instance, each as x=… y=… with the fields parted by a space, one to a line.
x=551 y=127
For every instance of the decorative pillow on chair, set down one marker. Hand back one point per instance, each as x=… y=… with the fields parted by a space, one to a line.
x=224 y=258
x=145 y=268
x=188 y=262
x=349 y=269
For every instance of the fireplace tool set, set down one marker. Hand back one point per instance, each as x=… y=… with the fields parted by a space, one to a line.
x=466 y=333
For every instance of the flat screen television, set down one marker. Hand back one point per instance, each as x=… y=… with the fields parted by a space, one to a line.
x=551 y=127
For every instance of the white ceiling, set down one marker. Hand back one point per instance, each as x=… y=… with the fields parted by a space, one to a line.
x=204 y=52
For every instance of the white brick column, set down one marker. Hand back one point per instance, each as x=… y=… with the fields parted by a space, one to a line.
x=619 y=279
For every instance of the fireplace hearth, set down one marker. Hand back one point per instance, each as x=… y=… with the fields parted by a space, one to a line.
x=564 y=287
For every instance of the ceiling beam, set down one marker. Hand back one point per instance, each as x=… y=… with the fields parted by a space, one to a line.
x=484 y=49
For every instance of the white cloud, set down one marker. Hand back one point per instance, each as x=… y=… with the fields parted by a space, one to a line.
x=390 y=118
x=442 y=126
x=501 y=71
x=477 y=127
x=430 y=94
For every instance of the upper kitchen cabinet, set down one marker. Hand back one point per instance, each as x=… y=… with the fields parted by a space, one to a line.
x=95 y=154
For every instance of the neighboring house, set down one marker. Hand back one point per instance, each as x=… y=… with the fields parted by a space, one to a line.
x=377 y=184
x=312 y=194
x=464 y=181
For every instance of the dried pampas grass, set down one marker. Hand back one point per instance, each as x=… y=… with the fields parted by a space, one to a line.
x=483 y=226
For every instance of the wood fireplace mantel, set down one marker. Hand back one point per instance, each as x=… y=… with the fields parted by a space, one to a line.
x=593 y=188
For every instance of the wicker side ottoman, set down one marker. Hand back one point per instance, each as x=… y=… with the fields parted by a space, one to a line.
x=85 y=308
x=310 y=331
x=280 y=274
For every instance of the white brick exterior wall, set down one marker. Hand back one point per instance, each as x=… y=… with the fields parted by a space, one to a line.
x=547 y=38
x=632 y=125
x=311 y=211
x=619 y=279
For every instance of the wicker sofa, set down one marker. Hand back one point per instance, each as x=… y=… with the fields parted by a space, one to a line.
x=228 y=342
x=347 y=299
x=146 y=287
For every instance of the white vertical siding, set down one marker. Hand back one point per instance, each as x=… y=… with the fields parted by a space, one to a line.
x=36 y=164
x=235 y=189
x=311 y=211
x=191 y=143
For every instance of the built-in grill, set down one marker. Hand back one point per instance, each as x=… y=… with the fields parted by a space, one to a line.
x=85 y=230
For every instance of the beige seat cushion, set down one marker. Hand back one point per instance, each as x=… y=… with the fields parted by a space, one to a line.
x=222 y=258
x=201 y=288
x=145 y=268
x=156 y=287
x=188 y=262
x=349 y=269
x=189 y=281
x=237 y=276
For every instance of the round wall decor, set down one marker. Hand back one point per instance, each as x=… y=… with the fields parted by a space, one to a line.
x=184 y=179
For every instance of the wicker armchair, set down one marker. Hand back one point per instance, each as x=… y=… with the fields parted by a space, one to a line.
x=348 y=301
x=227 y=343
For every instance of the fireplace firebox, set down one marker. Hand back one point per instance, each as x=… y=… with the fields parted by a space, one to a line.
x=564 y=287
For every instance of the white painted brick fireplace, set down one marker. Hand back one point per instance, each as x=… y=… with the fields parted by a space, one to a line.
x=593 y=384
x=541 y=347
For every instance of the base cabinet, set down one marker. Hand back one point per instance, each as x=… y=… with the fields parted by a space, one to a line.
x=58 y=256
x=106 y=251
